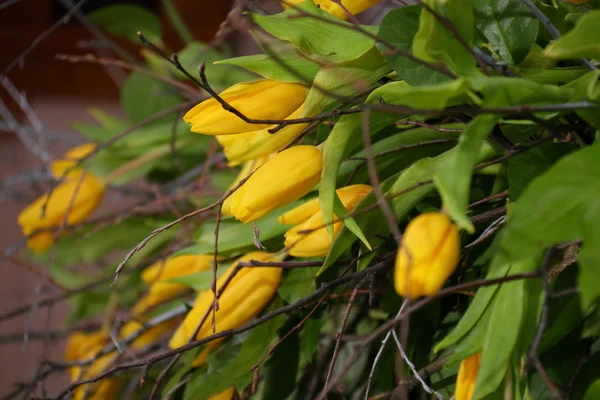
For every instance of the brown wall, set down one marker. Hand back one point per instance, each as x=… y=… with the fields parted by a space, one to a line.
x=59 y=92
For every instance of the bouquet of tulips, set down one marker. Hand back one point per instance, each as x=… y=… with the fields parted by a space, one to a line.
x=400 y=210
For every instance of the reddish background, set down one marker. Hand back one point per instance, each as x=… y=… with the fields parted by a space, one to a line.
x=59 y=92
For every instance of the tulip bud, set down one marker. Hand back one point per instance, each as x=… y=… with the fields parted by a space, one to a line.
x=88 y=192
x=353 y=6
x=264 y=99
x=82 y=346
x=243 y=298
x=68 y=161
x=227 y=394
x=248 y=168
x=467 y=377
x=251 y=145
x=160 y=272
x=428 y=255
x=309 y=218
x=283 y=179
x=148 y=337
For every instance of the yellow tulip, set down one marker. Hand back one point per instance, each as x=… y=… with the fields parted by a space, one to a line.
x=69 y=160
x=83 y=346
x=264 y=99
x=283 y=179
x=467 y=377
x=247 y=169
x=251 y=145
x=309 y=217
x=160 y=272
x=89 y=193
x=150 y=336
x=227 y=394
x=243 y=298
x=428 y=255
x=353 y=6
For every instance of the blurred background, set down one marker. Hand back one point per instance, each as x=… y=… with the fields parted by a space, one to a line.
x=40 y=97
x=58 y=92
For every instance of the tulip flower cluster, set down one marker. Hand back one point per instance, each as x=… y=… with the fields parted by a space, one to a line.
x=245 y=295
x=158 y=274
x=467 y=377
x=429 y=254
x=71 y=202
x=333 y=7
x=83 y=346
x=309 y=218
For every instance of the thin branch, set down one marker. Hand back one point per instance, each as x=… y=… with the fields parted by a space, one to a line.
x=554 y=32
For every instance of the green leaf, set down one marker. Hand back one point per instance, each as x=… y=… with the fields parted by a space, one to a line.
x=280 y=372
x=219 y=76
x=198 y=281
x=309 y=340
x=236 y=370
x=234 y=235
x=508 y=26
x=332 y=42
x=344 y=79
x=548 y=213
x=581 y=41
x=524 y=167
x=297 y=283
x=503 y=329
x=187 y=360
x=401 y=203
x=270 y=68
x=476 y=309
x=399 y=27
x=175 y=17
x=346 y=134
x=433 y=42
x=143 y=96
x=472 y=341
x=127 y=20
x=454 y=182
x=348 y=221
x=593 y=391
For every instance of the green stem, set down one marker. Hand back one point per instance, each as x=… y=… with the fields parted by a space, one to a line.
x=182 y=30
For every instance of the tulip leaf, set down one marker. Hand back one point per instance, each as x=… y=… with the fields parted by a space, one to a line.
x=198 y=281
x=454 y=182
x=219 y=76
x=280 y=372
x=593 y=391
x=399 y=27
x=224 y=372
x=525 y=167
x=309 y=340
x=548 y=213
x=476 y=310
x=143 y=96
x=503 y=328
x=349 y=222
x=332 y=41
x=513 y=323
x=270 y=68
x=126 y=20
x=508 y=26
x=297 y=283
x=343 y=80
x=234 y=235
x=581 y=41
x=433 y=42
x=346 y=134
